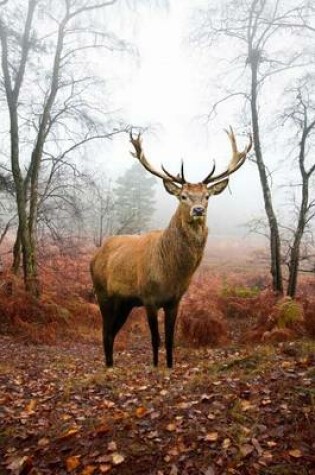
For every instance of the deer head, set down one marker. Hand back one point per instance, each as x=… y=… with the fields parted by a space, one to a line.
x=194 y=197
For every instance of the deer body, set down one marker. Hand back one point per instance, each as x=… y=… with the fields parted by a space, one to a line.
x=153 y=270
x=155 y=267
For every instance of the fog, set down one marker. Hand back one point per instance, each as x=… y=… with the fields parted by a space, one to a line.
x=160 y=77
x=170 y=86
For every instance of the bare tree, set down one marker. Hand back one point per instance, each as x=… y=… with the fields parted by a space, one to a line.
x=302 y=114
x=100 y=208
x=59 y=116
x=254 y=25
x=7 y=215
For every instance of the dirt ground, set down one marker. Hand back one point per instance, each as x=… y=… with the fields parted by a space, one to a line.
x=238 y=410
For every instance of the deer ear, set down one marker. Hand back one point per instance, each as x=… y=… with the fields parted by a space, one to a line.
x=218 y=187
x=171 y=188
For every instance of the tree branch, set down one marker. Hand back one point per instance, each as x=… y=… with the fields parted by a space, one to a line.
x=91 y=7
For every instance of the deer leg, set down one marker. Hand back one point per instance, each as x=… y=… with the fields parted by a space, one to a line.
x=155 y=337
x=170 y=320
x=108 y=317
x=115 y=313
x=122 y=312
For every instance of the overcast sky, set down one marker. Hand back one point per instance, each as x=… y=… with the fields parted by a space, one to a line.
x=170 y=89
x=169 y=86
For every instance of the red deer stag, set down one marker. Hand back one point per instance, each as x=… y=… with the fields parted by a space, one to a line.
x=154 y=269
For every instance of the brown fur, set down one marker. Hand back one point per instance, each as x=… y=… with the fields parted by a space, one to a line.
x=155 y=269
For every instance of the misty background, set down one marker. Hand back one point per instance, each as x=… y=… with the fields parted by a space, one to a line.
x=179 y=71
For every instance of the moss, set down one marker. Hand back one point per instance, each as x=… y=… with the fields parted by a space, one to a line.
x=239 y=291
x=289 y=313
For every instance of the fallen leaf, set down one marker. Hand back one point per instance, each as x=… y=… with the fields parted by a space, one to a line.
x=171 y=427
x=247 y=406
x=226 y=443
x=20 y=465
x=72 y=462
x=117 y=458
x=205 y=398
x=102 y=429
x=246 y=449
x=112 y=446
x=211 y=436
x=105 y=459
x=265 y=402
x=31 y=406
x=257 y=446
x=271 y=443
x=174 y=470
x=141 y=411
x=43 y=441
x=68 y=435
x=66 y=417
x=88 y=470
x=105 y=468
x=295 y=453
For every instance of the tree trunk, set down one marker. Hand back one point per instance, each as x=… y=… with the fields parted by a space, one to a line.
x=294 y=266
x=276 y=272
x=17 y=253
x=12 y=97
x=294 y=262
x=29 y=277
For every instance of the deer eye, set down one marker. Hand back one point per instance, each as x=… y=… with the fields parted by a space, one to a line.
x=184 y=197
x=207 y=197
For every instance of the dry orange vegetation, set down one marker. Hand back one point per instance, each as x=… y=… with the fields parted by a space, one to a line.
x=225 y=303
x=237 y=402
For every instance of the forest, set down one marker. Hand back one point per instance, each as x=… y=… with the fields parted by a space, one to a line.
x=111 y=113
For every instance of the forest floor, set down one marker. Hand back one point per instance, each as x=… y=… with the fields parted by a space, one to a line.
x=237 y=410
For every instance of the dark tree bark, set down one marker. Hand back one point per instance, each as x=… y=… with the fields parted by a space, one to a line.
x=12 y=90
x=17 y=252
x=306 y=212
x=27 y=187
x=254 y=25
x=274 y=239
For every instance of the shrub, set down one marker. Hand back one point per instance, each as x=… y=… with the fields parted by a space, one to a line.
x=201 y=322
x=288 y=313
x=254 y=307
x=284 y=321
x=309 y=317
x=277 y=335
x=239 y=291
x=47 y=319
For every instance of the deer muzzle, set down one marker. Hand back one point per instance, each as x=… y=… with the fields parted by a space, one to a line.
x=198 y=211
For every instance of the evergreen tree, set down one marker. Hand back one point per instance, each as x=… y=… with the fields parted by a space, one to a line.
x=134 y=201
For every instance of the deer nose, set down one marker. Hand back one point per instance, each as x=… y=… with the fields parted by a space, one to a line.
x=198 y=211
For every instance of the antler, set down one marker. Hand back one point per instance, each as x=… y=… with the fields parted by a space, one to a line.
x=166 y=176
x=238 y=158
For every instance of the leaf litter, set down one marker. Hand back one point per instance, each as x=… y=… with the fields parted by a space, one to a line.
x=235 y=411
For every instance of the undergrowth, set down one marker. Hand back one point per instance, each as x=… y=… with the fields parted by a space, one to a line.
x=216 y=310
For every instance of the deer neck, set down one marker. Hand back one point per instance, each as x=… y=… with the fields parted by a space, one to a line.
x=182 y=243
